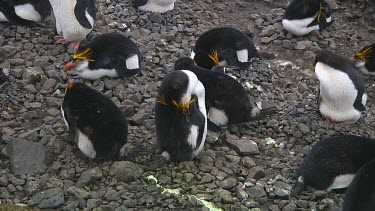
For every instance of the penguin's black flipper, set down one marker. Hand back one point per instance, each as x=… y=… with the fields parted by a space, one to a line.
x=122 y=69
x=257 y=113
x=137 y=3
x=323 y=24
x=213 y=127
x=195 y=117
x=359 y=106
x=71 y=122
x=159 y=162
x=80 y=12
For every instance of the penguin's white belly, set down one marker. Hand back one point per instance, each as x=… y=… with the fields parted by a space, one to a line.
x=96 y=74
x=27 y=12
x=299 y=27
x=363 y=69
x=3 y=18
x=338 y=95
x=341 y=181
x=85 y=145
x=160 y=6
x=217 y=116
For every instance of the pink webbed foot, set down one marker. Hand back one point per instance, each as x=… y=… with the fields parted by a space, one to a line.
x=74 y=44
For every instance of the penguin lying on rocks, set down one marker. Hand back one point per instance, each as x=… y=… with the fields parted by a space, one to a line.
x=365 y=59
x=227 y=101
x=73 y=20
x=24 y=12
x=159 y=6
x=304 y=16
x=333 y=162
x=360 y=194
x=96 y=125
x=112 y=55
x=341 y=95
x=180 y=116
x=223 y=46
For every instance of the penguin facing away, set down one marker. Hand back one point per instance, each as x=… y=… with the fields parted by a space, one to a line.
x=74 y=20
x=112 y=55
x=333 y=162
x=360 y=194
x=223 y=46
x=365 y=59
x=227 y=101
x=342 y=96
x=24 y=12
x=96 y=125
x=304 y=16
x=159 y=6
x=180 y=116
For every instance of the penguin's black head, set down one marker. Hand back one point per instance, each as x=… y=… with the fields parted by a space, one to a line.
x=365 y=55
x=184 y=63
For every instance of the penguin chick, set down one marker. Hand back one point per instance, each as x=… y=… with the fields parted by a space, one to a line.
x=360 y=194
x=96 y=125
x=24 y=12
x=333 y=162
x=304 y=16
x=74 y=20
x=159 y=6
x=342 y=95
x=365 y=59
x=223 y=46
x=227 y=101
x=112 y=55
x=180 y=116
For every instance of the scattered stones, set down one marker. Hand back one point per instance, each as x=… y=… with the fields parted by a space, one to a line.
x=126 y=171
x=256 y=192
x=48 y=199
x=89 y=176
x=243 y=146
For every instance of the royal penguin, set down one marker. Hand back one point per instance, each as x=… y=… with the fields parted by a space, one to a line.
x=159 y=6
x=304 y=16
x=24 y=12
x=341 y=96
x=112 y=55
x=227 y=101
x=96 y=125
x=360 y=194
x=223 y=46
x=333 y=162
x=365 y=59
x=72 y=20
x=180 y=116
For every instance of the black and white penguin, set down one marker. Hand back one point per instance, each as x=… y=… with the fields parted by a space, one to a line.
x=360 y=194
x=73 y=20
x=180 y=116
x=223 y=46
x=112 y=55
x=365 y=59
x=227 y=101
x=333 y=162
x=342 y=96
x=304 y=16
x=96 y=125
x=3 y=76
x=159 y=6
x=24 y=12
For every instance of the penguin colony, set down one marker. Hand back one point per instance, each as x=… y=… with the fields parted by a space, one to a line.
x=198 y=94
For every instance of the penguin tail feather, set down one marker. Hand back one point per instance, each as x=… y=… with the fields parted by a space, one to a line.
x=257 y=113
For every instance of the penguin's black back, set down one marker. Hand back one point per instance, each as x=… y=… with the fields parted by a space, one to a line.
x=96 y=116
x=301 y=9
x=220 y=39
x=360 y=194
x=333 y=157
x=138 y=3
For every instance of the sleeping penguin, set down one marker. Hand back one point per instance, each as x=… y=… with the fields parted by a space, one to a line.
x=73 y=20
x=365 y=59
x=333 y=162
x=304 y=16
x=24 y=12
x=223 y=46
x=96 y=125
x=341 y=95
x=360 y=194
x=180 y=116
x=159 y=6
x=227 y=101
x=112 y=55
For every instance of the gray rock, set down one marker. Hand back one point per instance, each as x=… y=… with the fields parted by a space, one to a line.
x=92 y=203
x=48 y=85
x=27 y=157
x=140 y=116
x=282 y=189
x=256 y=192
x=228 y=183
x=89 y=176
x=46 y=199
x=126 y=171
x=243 y=146
x=304 y=128
x=112 y=195
x=287 y=44
x=6 y=52
x=268 y=31
x=4 y=180
x=290 y=207
x=226 y=196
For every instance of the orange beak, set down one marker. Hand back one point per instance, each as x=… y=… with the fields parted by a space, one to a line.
x=69 y=66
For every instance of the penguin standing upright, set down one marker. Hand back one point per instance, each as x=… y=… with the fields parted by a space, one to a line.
x=227 y=101
x=96 y=125
x=74 y=20
x=304 y=16
x=360 y=194
x=180 y=116
x=24 y=12
x=341 y=95
x=112 y=55
x=223 y=46
x=365 y=59
x=159 y=6
x=333 y=162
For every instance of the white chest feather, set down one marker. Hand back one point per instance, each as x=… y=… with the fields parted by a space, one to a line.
x=132 y=62
x=27 y=12
x=85 y=145
x=192 y=55
x=341 y=181
x=3 y=18
x=243 y=55
x=97 y=73
x=160 y=6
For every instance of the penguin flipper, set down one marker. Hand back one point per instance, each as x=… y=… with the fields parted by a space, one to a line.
x=212 y=126
x=195 y=117
x=71 y=122
x=80 y=12
x=137 y=3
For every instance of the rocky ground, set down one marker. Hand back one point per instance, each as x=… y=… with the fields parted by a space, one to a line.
x=249 y=166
